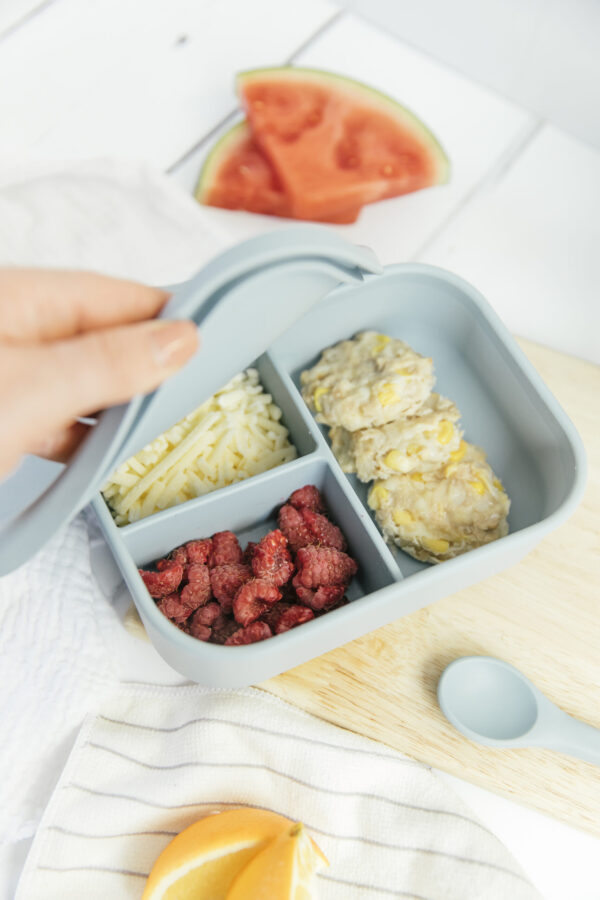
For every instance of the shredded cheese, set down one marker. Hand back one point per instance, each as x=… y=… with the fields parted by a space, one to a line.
x=233 y=435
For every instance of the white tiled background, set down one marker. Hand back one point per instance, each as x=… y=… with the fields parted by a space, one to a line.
x=543 y=54
x=511 y=88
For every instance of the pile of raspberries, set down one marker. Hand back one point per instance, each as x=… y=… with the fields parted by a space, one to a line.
x=212 y=590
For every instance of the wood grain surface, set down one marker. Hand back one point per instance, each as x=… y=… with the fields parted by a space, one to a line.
x=542 y=615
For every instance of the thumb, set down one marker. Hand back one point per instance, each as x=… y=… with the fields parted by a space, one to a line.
x=102 y=368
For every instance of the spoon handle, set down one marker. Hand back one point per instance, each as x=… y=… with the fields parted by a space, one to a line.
x=577 y=739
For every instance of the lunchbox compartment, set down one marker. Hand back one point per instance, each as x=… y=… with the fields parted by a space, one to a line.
x=250 y=511
x=476 y=364
x=301 y=434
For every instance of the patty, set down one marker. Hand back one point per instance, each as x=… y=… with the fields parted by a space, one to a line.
x=367 y=381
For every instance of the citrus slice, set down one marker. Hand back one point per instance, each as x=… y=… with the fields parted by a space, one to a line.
x=284 y=870
x=203 y=861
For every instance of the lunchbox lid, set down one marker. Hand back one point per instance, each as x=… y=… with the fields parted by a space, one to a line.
x=241 y=301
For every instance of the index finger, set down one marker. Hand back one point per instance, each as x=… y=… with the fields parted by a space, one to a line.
x=47 y=304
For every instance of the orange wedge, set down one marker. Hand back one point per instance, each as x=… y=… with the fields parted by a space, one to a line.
x=202 y=862
x=284 y=870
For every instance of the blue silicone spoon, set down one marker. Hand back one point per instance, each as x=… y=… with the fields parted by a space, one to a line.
x=491 y=702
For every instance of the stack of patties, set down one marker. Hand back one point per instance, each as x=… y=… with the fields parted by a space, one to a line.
x=434 y=495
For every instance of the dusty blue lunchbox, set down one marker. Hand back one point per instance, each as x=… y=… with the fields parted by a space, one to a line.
x=275 y=302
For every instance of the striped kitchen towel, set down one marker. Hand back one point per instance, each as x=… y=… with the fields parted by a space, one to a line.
x=158 y=758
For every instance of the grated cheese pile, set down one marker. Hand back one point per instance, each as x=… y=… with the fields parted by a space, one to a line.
x=233 y=435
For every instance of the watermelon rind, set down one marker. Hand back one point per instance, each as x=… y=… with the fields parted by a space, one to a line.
x=234 y=136
x=374 y=97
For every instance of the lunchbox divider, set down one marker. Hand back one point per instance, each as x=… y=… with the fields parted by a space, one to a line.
x=295 y=398
x=198 y=503
x=363 y=521
x=364 y=517
x=276 y=382
x=361 y=509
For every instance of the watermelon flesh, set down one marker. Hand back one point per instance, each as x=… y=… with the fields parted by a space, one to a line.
x=238 y=175
x=335 y=144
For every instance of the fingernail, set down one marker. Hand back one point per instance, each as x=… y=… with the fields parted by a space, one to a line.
x=174 y=342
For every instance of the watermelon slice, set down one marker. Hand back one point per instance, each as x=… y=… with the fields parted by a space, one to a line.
x=238 y=175
x=336 y=144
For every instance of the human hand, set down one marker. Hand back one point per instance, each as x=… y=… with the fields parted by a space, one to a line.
x=72 y=343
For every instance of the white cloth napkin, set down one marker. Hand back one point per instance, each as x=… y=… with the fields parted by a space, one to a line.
x=116 y=217
x=55 y=629
x=55 y=665
x=158 y=758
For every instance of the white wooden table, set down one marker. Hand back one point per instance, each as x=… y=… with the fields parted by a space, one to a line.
x=153 y=81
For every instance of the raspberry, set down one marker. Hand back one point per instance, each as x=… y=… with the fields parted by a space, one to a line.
x=343 y=601
x=252 y=599
x=293 y=526
x=159 y=584
x=304 y=594
x=178 y=555
x=308 y=497
x=225 y=550
x=324 y=565
x=198 y=551
x=272 y=615
x=222 y=629
x=197 y=592
x=206 y=615
x=290 y=618
x=196 y=572
x=249 y=553
x=172 y=607
x=201 y=632
x=288 y=594
x=257 y=631
x=326 y=597
x=323 y=531
x=271 y=560
x=226 y=581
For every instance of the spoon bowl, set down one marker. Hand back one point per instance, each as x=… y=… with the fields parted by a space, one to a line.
x=491 y=702
x=488 y=698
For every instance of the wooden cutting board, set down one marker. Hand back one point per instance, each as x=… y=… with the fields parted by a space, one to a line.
x=543 y=615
